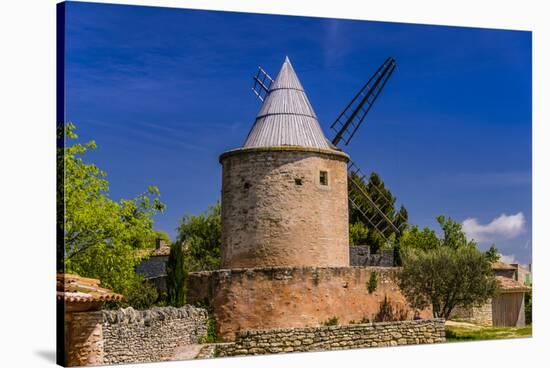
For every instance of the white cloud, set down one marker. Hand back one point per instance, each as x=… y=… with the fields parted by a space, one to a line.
x=502 y=227
x=508 y=258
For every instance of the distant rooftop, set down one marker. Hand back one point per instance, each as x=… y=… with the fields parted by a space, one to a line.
x=286 y=117
x=502 y=266
x=506 y=284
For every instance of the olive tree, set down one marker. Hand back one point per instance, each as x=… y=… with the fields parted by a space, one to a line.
x=449 y=273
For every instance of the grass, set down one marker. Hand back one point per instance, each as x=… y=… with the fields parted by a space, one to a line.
x=474 y=333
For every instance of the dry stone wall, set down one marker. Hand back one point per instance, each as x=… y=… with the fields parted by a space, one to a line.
x=335 y=337
x=482 y=315
x=131 y=336
x=360 y=255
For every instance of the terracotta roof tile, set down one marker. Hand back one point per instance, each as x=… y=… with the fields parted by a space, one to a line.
x=506 y=284
x=76 y=289
x=502 y=266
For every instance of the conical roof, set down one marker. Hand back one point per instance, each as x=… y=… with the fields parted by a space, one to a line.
x=286 y=117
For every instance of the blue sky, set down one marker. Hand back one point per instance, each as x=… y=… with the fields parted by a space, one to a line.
x=165 y=91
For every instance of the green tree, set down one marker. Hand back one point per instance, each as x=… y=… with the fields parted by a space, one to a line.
x=453 y=236
x=380 y=194
x=424 y=239
x=358 y=234
x=201 y=236
x=492 y=254
x=177 y=269
x=447 y=273
x=100 y=235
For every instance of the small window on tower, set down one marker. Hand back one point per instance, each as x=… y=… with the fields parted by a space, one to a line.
x=323 y=178
x=298 y=181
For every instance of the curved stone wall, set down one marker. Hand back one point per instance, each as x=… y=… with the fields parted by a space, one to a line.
x=291 y=297
x=277 y=212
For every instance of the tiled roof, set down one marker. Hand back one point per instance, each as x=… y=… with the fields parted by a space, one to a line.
x=286 y=117
x=502 y=266
x=76 y=289
x=506 y=284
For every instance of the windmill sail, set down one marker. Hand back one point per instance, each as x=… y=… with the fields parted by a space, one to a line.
x=372 y=204
x=353 y=115
x=373 y=207
x=262 y=82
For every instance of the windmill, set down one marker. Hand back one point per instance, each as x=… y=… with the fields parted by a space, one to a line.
x=371 y=206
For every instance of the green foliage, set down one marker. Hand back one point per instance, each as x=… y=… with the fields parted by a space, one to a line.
x=177 y=269
x=377 y=191
x=211 y=326
x=453 y=236
x=445 y=278
x=201 y=236
x=159 y=234
x=373 y=282
x=444 y=273
x=211 y=334
x=143 y=296
x=360 y=322
x=529 y=307
x=414 y=238
x=358 y=234
x=332 y=321
x=101 y=235
x=492 y=254
x=475 y=333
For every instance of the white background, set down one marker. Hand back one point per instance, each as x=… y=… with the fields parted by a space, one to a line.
x=27 y=180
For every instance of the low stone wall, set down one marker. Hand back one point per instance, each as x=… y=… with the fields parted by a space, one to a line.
x=131 y=336
x=335 y=337
x=482 y=315
x=360 y=255
x=294 y=297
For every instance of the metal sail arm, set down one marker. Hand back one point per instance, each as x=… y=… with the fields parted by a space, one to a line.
x=372 y=208
x=353 y=115
x=262 y=82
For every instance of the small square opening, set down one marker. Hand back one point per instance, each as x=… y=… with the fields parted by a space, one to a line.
x=323 y=178
x=298 y=181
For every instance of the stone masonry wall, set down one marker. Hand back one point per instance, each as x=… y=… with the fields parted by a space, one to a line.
x=84 y=339
x=289 y=297
x=359 y=255
x=275 y=212
x=335 y=337
x=131 y=336
x=482 y=315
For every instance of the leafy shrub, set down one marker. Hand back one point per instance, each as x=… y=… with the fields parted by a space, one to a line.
x=142 y=296
x=373 y=282
x=211 y=334
x=358 y=233
x=332 y=321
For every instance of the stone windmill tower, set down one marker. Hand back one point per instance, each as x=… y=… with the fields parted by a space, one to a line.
x=285 y=199
x=285 y=191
